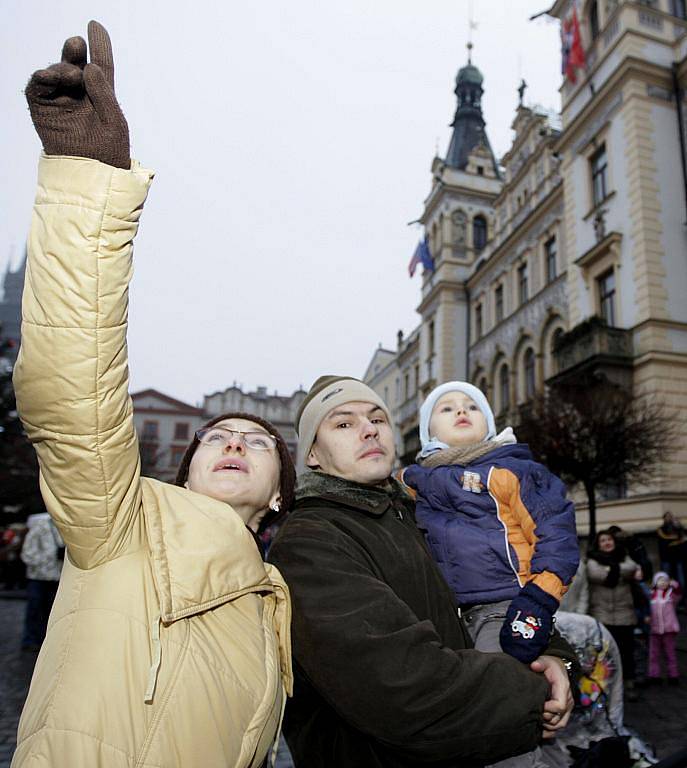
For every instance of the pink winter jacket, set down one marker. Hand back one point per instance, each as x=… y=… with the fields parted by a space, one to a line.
x=663 y=614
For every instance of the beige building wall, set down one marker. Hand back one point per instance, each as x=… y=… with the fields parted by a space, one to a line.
x=625 y=102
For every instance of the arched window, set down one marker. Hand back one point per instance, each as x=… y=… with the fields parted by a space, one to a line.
x=555 y=338
x=530 y=376
x=479 y=233
x=504 y=389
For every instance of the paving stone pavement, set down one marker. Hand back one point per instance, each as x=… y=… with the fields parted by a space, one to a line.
x=659 y=717
x=16 y=667
x=660 y=714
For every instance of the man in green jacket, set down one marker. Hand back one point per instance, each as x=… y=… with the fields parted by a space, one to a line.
x=384 y=667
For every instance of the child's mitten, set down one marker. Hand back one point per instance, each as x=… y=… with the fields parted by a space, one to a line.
x=529 y=623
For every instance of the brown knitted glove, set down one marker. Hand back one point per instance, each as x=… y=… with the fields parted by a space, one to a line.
x=73 y=104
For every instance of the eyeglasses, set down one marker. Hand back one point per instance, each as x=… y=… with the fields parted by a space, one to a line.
x=220 y=436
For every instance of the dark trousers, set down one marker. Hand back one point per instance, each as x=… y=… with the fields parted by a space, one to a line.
x=40 y=596
x=624 y=637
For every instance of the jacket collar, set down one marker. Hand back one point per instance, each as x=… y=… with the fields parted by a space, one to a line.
x=202 y=553
x=374 y=500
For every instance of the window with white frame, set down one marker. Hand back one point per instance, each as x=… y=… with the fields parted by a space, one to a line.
x=550 y=254
x=599 y=169
x=529 y=373
x=504 y=388
x=498 y=302
x=479 y=233
x=523 y=283
x=606 y=288
x=594 y=19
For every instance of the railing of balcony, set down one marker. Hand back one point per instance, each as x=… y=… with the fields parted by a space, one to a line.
x=589 y=340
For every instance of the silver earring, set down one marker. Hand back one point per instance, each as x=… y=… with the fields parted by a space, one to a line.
x=275 y=507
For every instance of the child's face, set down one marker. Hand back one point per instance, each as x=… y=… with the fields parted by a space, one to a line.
x=662 y=583
x=456 y=420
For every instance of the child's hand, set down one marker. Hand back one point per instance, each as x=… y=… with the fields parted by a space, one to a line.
x=528 y=625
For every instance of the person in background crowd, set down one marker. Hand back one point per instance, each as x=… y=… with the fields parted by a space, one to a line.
x=665 y=596
x=43 y=555
x=12 y=569
x=635 y=549
x=576 y=599
x=672 y=548
x=641 y=592
x=611 y=571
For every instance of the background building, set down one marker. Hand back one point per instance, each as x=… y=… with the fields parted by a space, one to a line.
x=279 y=410
x=165 y=427
x=10 y=308
x=584 y=218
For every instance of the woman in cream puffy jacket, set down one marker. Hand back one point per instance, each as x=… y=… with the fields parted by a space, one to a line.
x=168 y=643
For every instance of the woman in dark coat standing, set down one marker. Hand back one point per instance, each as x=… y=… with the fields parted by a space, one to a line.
x=610 y=572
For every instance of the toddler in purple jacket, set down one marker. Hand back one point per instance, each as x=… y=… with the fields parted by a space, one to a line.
x=664 y=624
x=497 y=522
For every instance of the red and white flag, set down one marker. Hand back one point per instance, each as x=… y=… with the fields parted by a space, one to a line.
x=571 y=45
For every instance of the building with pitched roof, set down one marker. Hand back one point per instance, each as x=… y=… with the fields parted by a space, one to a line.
x=568 y=258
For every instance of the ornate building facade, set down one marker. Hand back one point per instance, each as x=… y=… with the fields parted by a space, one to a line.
x=584 y=217
x=279 y=410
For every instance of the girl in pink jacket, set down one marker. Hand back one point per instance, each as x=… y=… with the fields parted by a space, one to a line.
x=665 y=596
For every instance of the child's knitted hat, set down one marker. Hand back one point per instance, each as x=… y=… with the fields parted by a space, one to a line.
x=431 y=444
x=657 y=576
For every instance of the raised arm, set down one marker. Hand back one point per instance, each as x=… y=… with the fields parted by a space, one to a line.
x=71 y=378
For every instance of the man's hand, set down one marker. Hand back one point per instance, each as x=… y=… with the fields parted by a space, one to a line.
x=560 y=703
x=73 y=104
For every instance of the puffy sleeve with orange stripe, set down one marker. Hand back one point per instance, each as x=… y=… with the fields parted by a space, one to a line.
x=540 y=521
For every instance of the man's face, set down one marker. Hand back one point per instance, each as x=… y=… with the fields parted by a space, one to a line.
x=354 y=442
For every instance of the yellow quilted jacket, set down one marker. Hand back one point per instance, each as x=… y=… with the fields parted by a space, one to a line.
x=168 y=644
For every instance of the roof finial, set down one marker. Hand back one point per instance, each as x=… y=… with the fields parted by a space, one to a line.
x=472 y=24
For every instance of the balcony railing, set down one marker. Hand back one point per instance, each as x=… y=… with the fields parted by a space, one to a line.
x=593 y=347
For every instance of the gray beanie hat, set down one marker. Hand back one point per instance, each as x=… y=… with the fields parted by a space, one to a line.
x=326 y=394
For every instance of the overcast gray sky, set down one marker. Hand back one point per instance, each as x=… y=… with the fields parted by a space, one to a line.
x=292 y=144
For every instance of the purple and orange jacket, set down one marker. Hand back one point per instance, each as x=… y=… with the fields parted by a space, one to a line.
x=506 y=523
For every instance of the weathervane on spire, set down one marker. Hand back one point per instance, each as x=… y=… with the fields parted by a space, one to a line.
x=472 y=24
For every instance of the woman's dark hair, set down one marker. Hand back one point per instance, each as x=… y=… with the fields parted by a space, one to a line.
x=617 y=554
x=287 y=472
x=606 y=532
